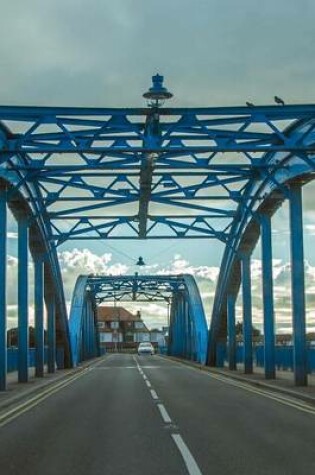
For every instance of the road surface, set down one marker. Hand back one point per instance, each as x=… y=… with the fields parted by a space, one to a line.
x=152 y=416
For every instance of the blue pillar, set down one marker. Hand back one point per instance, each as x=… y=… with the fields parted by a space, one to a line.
x=90 y=334
x=3 y=280
x=39 y=313
x=247 y=313
x=297 y=284
x=231 y=331
x=185 y=330
x=84 y=334
x=182 y=326
x=51 y=330
x=268 y=307
x=23 y=337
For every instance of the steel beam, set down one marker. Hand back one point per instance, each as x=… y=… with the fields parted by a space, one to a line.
x=297 y=284
x=247 y=313
x=51 y=330
x=23 y=330
x=268 y=307
x=3 y=280
x=39 y=313
x=231 y=331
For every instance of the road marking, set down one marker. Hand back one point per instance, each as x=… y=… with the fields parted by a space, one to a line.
x=166 y=418
x=262 y=392
x=300 y=406
x=153 y=394
x=189 y=460
x=17 y=411
x=112 y=367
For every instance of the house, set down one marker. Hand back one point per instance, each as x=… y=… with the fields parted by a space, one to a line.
x=119 y=328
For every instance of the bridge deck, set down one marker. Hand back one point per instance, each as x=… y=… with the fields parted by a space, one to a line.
x=139 y=415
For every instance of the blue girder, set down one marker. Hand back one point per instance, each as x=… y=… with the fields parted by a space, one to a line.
x=264 y=194
x=106 y=173
x=144 y=288
x=156 y=173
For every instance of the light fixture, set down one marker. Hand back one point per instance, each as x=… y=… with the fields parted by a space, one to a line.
x=140 y=261
x=157 y=94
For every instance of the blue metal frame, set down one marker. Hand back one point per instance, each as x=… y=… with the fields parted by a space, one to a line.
x=154 y=173
x=186 y=308
x=3 y=287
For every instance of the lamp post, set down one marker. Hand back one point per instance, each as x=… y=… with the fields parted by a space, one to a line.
x=157 y=94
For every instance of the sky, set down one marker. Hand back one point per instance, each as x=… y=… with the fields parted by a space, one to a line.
x=211 y=52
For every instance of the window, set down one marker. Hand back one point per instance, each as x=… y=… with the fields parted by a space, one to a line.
x=114 y=325
x=139 y=325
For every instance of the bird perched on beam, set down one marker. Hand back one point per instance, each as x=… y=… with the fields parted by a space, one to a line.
x=279 y=101
x=250 y=104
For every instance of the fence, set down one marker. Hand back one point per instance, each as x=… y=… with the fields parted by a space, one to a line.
x=283 y=355
x=13 y=355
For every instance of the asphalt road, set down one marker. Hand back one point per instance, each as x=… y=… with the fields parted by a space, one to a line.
x=147 y=415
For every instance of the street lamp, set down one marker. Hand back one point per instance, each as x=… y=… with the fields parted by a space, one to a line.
x=140 y=261
x=157 y=94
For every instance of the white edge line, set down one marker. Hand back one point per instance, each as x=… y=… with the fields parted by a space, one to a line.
x=166 y=418
x=189 y=460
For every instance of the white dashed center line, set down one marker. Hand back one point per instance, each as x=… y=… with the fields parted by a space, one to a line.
x=166 y=418
x=189 y=460
x=153 y=394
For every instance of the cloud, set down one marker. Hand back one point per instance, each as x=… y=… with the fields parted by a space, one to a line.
x=11 y=235
x=76 y=262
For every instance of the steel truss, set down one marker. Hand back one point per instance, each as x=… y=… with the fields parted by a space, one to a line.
x=188 y=327
x=153 y=173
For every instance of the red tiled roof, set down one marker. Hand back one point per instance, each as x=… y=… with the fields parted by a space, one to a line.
x=107 y=314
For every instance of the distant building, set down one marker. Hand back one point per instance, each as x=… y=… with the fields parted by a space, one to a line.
x=120 y=328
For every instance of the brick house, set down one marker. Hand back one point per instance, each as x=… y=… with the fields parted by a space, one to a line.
x=119 y=328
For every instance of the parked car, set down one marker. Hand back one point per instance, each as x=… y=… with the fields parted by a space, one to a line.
x=145 y=348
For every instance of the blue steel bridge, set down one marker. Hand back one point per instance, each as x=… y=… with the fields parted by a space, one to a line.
x=154 y=172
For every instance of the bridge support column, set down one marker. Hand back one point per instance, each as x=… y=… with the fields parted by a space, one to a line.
x=51 y=330
x=247 y=313
x=85 y=337
x=297 y=284
x=231 y=331
x=39 y=313
x=3 y=280
x=90 y=329
x=188 y=332
x=189 y=339
x=23 y=331
x=268 y=307
x=90 y=324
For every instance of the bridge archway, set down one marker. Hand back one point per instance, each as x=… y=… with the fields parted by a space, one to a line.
x=158 y=173
x=188 y=332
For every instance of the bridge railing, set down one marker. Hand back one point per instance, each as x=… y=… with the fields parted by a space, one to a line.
x=284 y=356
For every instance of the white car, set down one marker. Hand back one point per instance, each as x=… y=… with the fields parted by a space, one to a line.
x=145 y=348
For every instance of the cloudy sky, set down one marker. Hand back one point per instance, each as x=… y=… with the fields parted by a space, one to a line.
x=211 y=52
